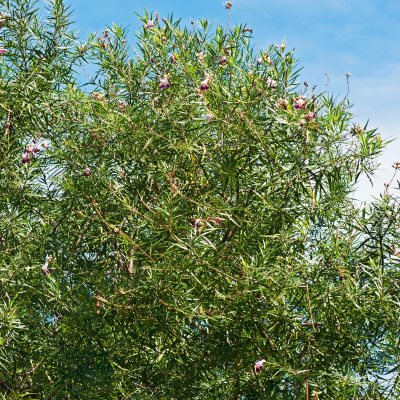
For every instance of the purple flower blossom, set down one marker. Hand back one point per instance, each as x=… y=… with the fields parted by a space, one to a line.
x=223 y=60
x=164 y=39
x=164 y=83
x=2 y=51
x=254 y=84
x=300 y=103
x=310 y=115
x=259 y=60
x=149 y=24
x=25 y=158
x=30 y=148
x=204 y=84
x=45 y=269
x=302 y=122
x=87 y=172
x=259 y=366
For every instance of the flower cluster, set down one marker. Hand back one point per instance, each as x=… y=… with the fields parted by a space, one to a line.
x=82 y=48
x=200 y=56
x=300 y=104
x=199 y=223
x=32 y=149
x=3 y=18
x=309 y=116
x=356 y=130
x=282 y=104
x=99 y=96
x=265 y=58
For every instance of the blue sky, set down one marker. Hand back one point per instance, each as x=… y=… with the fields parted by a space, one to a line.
x=333 y=37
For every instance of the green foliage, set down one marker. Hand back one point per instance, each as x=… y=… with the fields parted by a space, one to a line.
x=188 y=233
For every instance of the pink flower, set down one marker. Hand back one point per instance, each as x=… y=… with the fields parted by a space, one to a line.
x=254 y=84
x=87 y=172
x=25 y=158
x=310 y=115
x=259 y=365
x=164 y=83
x=204 y=84
x=259 y=60
x=2 y=51
x=164 y=39
x=302 y=122
x=209 y=117
x=45 y=268
x=30 y=148
x=300 y=103
x=223 y=60
x=45 y=145
x=149 y=24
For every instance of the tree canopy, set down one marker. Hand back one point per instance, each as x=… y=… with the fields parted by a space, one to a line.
x=182 y=224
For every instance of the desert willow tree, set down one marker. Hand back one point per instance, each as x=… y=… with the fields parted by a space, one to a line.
x=185 y=230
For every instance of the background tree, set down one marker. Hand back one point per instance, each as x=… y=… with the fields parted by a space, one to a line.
x=190 y=216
